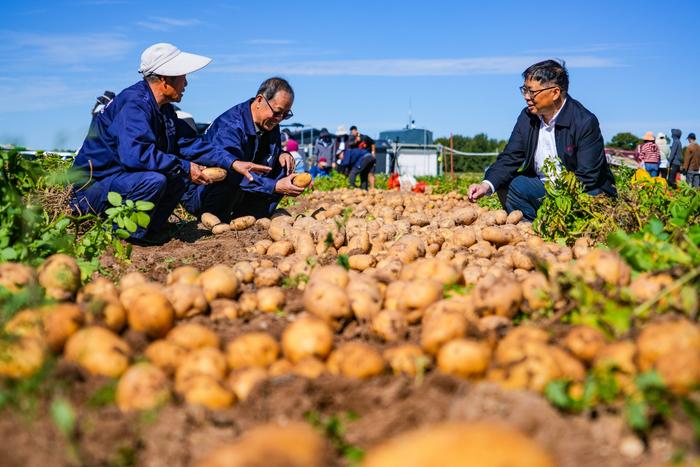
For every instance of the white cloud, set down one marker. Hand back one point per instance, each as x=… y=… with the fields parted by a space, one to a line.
x=42 y=93
x=68 y=49
x=162 y=23
x=270 y=42
x=411 y=67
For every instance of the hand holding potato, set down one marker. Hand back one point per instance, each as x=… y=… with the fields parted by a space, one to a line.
x=285 y=187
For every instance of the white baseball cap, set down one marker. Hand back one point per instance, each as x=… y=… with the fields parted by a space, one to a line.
x=167 y=60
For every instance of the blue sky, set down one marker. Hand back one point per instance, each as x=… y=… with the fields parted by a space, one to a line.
x=456 y=64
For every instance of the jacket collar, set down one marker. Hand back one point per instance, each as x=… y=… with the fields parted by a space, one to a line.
x=248 y=124
x=148 y=94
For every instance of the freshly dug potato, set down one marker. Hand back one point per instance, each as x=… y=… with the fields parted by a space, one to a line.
x=407 y=359
x=333 y=273
x=242 y=223
x=270 y=299
x=215 y=174
x=464 y=357
x=206 y=361
x=99 y=351
x=209 y=220
x=408 y=248
x=646 y=286
x=292 y=445
x=252 y=349
x=666 y=338
x=455 y=444
x=245 y=272
x=152 y=314
x=304 y=245
x=362 y=262
x=280 y=248
x=307 y=337
x=281 y=367
x=183 y=275
x=431 y=268
x=208 y=392
x=604 y=265
x=267 y=277
x=501 y=297
x=302 y=180
x=618 y=355
x=538 y=368
x=309 y=367
x=569 y=367
x=131 y=279
x=280 y=228
x=514 y=217
x=142 y=387
x=60 y=276
x=503 y=235
x=355 y=360
x=390 y=325
x=220 y=228
x=517 y=344
x=15 y=276
x=465 y=216
x=242 y=382
x=21 y=357
x=247 y=303
x=166 y=355
x=418 y=294
x=260 y=247
x=60 y=322
x=440 y=328
x=365 y=297
x=326 y=300
x=187 y=299
x=191 y=336
x=111 y=314
x=128 y=295
x=101 y=289
x=27 y=323
x=537 y=292
x=680 y=371
x=584 y=342
x=219 y=281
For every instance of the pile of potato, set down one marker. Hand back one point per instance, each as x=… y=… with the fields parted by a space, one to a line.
x=406 y=253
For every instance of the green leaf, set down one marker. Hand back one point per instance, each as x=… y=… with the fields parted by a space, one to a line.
x=144 y=205
x=557 y=393
x=143 y=219
x=63 y=416
x=344 y=261
x=649 y=380
x=636 y=414
x=129 y=203
x=123 y=234
x=130 y=225
x=114 y=198
x=111 y=211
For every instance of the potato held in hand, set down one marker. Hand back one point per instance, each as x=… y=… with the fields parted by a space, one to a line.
x=302 y=180
x=215 y=174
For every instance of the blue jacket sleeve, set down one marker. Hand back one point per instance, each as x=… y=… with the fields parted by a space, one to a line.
x=203 y=152
x=675 y=157
x=511 y=159
x=590 y=158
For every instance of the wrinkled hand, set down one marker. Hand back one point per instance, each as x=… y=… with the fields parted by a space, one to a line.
x=245 y=168
x=285 y=187
x=476 y=191
x=287 y=162
x=197 y=176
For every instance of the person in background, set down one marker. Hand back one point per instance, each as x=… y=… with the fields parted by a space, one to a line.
x=649 y=154
x=358 y=140
x=691 y=162
x=358 y=161
x=325 y=147
x=292 y=147
x=321 y=169
x=675 y=157
x=664 y=151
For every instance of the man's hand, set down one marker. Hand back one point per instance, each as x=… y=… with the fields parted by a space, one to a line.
x=197 y=176
x=287 y=162
x=285 y=187
x=476 y=191
x=245 y=168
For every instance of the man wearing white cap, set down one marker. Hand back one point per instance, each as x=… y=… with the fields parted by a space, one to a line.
x=137 y=147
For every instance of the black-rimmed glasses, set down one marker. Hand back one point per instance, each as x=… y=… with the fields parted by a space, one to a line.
x=279 y=115
x=525 y=91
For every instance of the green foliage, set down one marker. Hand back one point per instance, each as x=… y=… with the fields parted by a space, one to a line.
x=624 y=140
x=24 y=395
x=290 y=282
x=104 y=395
x=333 y=428
x=477 y=143
x=344 y=261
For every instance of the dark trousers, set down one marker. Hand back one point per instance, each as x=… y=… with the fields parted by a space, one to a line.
x=165 y=192
x=524 y=194
x=365 y=167
x=672 y=174
x=227 y=201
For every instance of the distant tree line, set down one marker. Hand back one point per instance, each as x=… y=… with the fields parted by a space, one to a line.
x=477 y=143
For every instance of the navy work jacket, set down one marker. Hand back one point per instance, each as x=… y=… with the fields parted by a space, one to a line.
x=580 y=148
x=353 y=157
x=132 y=134
x=235 y=132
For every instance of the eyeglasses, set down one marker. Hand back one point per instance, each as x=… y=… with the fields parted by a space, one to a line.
x=525 y=91
x=278 y=115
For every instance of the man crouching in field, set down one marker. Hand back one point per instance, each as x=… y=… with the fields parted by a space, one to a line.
x=553 y=127
x=137 y=147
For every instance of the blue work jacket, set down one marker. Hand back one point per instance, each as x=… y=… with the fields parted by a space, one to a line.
x=353 y=157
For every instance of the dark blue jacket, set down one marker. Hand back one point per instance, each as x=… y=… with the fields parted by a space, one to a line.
x=352 y=158
x=580 y=148
x=132 y=134
x=235 y=132
x=675 y=157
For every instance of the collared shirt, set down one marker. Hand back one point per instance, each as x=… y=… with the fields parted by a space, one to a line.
x=547 y=145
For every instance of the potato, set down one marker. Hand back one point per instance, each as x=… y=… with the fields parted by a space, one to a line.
x=666 y=338
x=280 y=248
x=208 y=392
x=247 y=303
x=183 y=275
x=463 y=357
x=60 y=276
x=454 y=444
x=188 y=300
x=604 y=265
x=464 y=216
x=26 y=323
x=15 y=276
x=537 y=292
x=501 y=297
x=242 y=223
x=21 y=357
x=534 y=371
x=407 y=359
x=152 y=314
x=503 y=235
x=440 y=328
x=280 y=367
x=302 y=180
x=355 y=360
x=390 y=325
x=362 y=262
x=514 y=217
x=191 y=336
x=569 y=367
x=132 y=279
x=101 y=289
x=99 y=351
x=292 y=445
x=206 y=361
x=482 y=249
x=215 y=174
x=260 y=247
x=219 y=281
x=166 y=355
x=408 y=248
x=304 y=245
x=280 y=228
x=584 y=342
x=618 y=355
x=326 y=300
x=646 y=286
x=220 y=228
x=142 y=387
x=129 y=295
x=333 y=273
x=309 y=367
x=242 y=382
x=680 y=371
x=270 y=299
x=60 y=322
x=418 y=294
x=252 y=349
x=209 y=220
x=307 y=337
x=360 y=243
x=431 y=268
x=365 y=297
x=267 y=277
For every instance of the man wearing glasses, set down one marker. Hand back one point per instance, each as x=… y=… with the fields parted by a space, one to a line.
x=250 y=132
x=554 y=128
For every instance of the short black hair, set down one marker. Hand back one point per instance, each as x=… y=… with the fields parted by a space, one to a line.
x=549 y=72
x=271 y=86
x=353 y=128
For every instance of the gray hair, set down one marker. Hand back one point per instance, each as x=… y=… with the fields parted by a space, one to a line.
x=152 y=78
x=271 y=86
x=549 y=72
